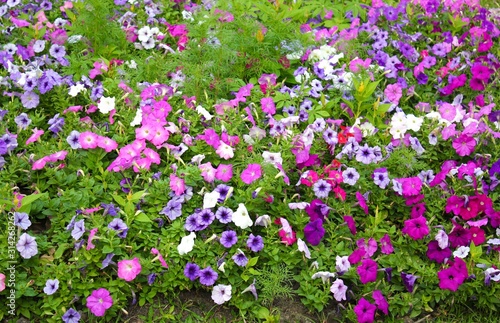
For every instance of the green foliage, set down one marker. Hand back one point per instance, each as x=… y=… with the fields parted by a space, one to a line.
x=274 y=282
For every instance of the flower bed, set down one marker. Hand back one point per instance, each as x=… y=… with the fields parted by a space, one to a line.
x=340 y=152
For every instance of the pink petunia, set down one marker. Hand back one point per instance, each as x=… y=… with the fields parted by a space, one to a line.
x=393 y=92
x=99 y=301
x=88 y=140
x=208 y=172
x=268 y=106
x=448 y=111
x=106 y=143
x=252 y=173
x=349 y=220
x=411 y=186
x=40 y=163
x=362 y=202
x=90 y=245
x=2 y=282
x=464 y=145
x=35 y=136
x=224 y=172
x=380 y=301
x=129 y=269
x=158 y=255
x=177 y=185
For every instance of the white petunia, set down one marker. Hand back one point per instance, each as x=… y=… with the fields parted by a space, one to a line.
x=210 y=199
x=241 y=218
x=461 y=252
x=106 y=105
x=187 y=244
x=324 y=275
x=221 y=293
x=201 y=110
x=302 y=246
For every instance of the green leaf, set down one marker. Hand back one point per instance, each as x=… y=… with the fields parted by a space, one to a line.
x=142 y=217
x=120 y=200
x=107 y=249
x=59 y=252
x=252 y=262
x=475 y=251
x=137 y=196
x=262 y=313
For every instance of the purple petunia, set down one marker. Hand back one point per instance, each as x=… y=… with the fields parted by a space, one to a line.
x=27 y=246
x=173 y=209
x=240 y=259
x=192 y=271
x=208 y=276
x=408 y=281
x=71 y=316
x=22 y=121
x=255 y=243
x=350 y=176
x=381 y=177
x=119 y=226
x=78 y=229
x=22 y=220
x=73 y=139
x=108 y=260
x=224 y=214
x=314 y=232
x=51 y=286
x=228 y=238
x=322 y=188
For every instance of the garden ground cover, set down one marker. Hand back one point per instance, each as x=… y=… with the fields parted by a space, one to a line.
x=260 y=161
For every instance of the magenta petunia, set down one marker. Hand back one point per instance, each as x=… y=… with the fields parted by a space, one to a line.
x=99 y=301
x=464 y=145
x=252 y=173
x=349 y=220
x=386 y=245
x=393 y=92
x=380 y=301
x=177 y=185
x=416 y=228
x=450 y=278
x=365 y=311
x=268 y=106
x=224 y=172
x=367 y=271
x=362 y=202
x=411 y=186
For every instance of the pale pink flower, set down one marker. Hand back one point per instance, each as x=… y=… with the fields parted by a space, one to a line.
x=2 y=282
x=177 y=185
x=225 y=151
x=207 y=172
x=90 y=245
x=393 y=92
x=106 y=143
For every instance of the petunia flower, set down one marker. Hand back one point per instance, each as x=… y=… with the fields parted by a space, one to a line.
x=99 y=301
x=339 y=290
x=187 y=244
x=221 y=293
x=380 y=301
x=158 y=255
x=367 y=271
x=192 y=271
x=408 y=281
x=386 y=245
x=255 y=243
x=51 y=286
x=314 y=232
x=177 y=185
x=464 y=145
x=252 y=289
x=71 y=316
x=129 y=269
x=416 y=228
x=27 y=246
x=22 y=220
x=241 y=218
x=252 y=173
x=228 y=238
x=302 y=247
x=208 y=276
x=2 y=282
x=365 y=311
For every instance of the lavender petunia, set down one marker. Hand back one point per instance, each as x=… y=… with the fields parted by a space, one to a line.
x=22 y=220
x=51 y=286
x=27 y=246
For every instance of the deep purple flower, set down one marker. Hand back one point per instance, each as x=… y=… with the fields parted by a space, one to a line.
x=314 y=232
x=228 y=238
x=317 y=210
x=408 y=281
x=193 y=222
x=434 y=252
x=208 y=276
x=255 y=243
x=459 y=236
x=151 y=278
x=223 y=191
x=192 y=271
